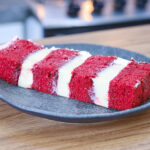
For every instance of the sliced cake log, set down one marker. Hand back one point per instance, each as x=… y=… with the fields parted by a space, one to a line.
x=108 y=81
x=12 y=55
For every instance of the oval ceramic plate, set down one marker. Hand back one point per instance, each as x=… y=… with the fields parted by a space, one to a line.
x=65 y=109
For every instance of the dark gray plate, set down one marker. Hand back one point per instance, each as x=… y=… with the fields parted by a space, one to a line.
x=64 y=109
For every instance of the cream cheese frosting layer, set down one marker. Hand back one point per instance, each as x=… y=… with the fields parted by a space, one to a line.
x=26 y=75
x=102 y=80
x=65 y=73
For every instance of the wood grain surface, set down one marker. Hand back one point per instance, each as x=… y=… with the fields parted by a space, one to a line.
x=19 y=131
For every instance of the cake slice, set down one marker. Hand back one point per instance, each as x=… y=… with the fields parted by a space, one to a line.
x=131 y=87
x=12 y=55
x=101 y=83
x=81 y=83
x=107 y=81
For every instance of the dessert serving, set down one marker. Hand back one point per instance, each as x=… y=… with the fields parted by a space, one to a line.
x=107 y=81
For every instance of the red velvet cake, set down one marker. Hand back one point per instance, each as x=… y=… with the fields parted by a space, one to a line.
x=107 y=81
x=12 y=55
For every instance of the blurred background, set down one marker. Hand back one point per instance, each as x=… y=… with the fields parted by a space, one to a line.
x=36 y=19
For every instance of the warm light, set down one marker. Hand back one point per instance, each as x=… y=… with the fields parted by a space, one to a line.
x=86 y=10
x=40 y=11
x=60 y=2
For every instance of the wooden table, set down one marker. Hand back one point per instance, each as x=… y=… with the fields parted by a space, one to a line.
x=19 y=131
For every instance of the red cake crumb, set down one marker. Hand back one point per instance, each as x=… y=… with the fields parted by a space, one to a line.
x=11 y=59
x=45 y=73
x=131 y=87
x=81 y=82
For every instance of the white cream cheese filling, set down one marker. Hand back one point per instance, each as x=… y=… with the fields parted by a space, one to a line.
x=65 y=73
x=26 y=75
x=102 y=80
